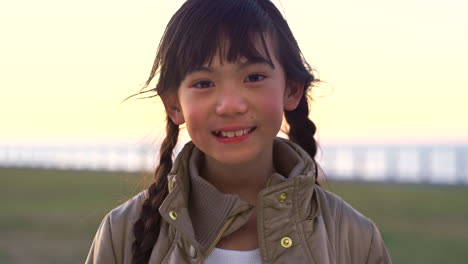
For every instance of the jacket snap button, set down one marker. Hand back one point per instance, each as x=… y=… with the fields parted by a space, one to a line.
x=282 y=197
x=172 y=183
x=193 y=252
x=286 y=242
x=173 y=215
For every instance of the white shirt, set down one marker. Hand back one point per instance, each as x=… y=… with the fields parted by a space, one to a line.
x=225 y=256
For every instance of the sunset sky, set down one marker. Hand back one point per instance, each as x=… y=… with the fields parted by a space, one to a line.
x=393 y=71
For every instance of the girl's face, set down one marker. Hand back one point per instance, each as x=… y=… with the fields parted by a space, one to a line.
x=233 y=111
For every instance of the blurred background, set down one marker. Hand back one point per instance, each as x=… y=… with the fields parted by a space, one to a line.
x=391 y=117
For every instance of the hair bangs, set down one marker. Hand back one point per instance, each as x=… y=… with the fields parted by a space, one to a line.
x=232 y=29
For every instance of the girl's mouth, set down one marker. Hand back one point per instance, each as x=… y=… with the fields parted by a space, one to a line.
x=232 y=134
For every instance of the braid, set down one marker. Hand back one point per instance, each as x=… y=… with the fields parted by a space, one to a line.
x=301 y=128
x=146 y=229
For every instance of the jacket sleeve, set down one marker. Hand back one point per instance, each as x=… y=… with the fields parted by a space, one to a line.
x=102 y=248
x=378 y=253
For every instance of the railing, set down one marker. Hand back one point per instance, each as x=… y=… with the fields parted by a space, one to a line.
x=435 y=164
x=439 y=164
x=108 y=158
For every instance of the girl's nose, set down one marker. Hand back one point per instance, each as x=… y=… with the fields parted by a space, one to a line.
x=230 y=103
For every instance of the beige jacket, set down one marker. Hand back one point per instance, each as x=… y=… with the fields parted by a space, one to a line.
x=297 y=221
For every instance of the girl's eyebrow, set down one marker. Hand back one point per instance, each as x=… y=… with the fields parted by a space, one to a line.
x=241 y=65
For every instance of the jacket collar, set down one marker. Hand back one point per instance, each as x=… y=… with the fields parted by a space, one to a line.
x=202 y=210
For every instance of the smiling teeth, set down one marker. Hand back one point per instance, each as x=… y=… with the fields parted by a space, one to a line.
x=230 y=134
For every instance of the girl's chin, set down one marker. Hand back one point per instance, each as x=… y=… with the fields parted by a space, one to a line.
x=248 y=156
x=232 y=161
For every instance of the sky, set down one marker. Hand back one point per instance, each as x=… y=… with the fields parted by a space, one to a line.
x=392 y=71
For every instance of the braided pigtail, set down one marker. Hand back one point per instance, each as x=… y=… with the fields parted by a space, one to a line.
x=301 y=128
x=146 y=229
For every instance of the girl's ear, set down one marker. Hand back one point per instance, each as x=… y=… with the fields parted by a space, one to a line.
x=173 y=110
x=292 y=95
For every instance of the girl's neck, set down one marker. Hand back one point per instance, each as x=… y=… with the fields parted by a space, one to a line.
x=246 y=179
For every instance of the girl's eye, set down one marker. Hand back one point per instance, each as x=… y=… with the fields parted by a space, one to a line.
x=203 y=84
x=254 y=78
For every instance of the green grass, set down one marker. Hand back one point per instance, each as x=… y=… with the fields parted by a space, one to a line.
x=419 y=223
x=51 y=216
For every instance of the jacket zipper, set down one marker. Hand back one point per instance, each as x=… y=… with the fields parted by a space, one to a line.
x=221 y=233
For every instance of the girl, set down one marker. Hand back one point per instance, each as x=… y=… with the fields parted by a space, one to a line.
x=230 y=70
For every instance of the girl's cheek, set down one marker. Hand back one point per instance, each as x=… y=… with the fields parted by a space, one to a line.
x=271 y=101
